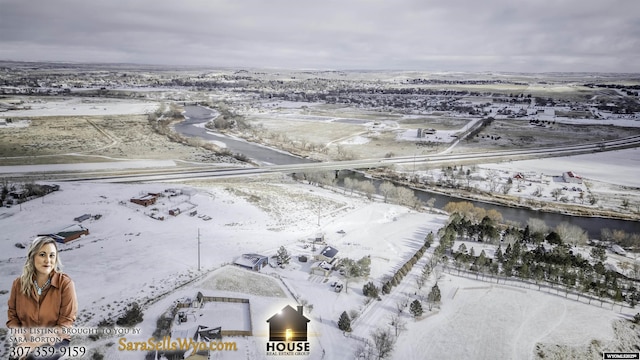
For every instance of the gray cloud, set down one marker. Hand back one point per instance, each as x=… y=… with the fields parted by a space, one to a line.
x=457 y=35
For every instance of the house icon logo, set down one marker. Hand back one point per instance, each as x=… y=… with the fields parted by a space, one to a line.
x=288 y=325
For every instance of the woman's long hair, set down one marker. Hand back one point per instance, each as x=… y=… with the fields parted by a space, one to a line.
x=29 y=269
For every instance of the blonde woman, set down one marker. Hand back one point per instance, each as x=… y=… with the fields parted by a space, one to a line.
x=42 y=297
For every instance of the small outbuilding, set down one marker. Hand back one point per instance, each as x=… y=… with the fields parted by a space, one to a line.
x=82 y=218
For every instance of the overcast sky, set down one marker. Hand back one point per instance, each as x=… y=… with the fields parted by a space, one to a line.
x=451 y=35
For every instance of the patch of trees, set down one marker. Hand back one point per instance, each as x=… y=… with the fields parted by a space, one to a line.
x=352 y=268
x=620 y=237
x=512 y=100
x=483 y=124
x=131 y=317
x=539 y=254
x=400 y=195
x=470 y=222
x=613 y=86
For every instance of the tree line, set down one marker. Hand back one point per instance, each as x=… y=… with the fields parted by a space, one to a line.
x=537 y=253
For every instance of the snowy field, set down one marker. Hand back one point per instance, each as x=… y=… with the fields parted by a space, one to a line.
x=128 y=256
x=111 y=165
x=620 y=167
x=75 y=106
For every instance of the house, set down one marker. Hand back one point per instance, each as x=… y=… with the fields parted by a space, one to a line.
x=253 y=262
x=327 y=254
x=145 y=200
x=288 y=325
x=571 y=177
x=19 y=194
x=68 y=233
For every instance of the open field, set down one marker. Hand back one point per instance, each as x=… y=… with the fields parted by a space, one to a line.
x=79 y=138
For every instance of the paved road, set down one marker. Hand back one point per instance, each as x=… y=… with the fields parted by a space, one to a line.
x=434 y=160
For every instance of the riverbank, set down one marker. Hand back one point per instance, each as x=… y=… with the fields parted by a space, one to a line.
x=511 y=201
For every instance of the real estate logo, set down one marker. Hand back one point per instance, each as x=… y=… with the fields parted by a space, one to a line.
x=288 y=332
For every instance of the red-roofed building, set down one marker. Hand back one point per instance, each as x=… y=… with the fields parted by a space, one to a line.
x=571 y=177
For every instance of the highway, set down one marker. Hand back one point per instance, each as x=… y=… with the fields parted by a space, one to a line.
x=433 y=160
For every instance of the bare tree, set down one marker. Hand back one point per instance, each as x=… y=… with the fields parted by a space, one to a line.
x=349 y=184
x=537 y=226
x=397 y=324
x=493 y=177
x=406 y=196
x=364 y=351
x=387 y=189
x=383 y=341
x=572 y=234
x=367 y=188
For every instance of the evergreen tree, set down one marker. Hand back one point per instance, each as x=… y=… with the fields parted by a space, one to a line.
x=429 y=239
x=526 y=234
x=283 y=256
x=386 y=288
x=344 y=323
x=370 y=290
x=462 y=249
x=553 y=238
x=364 y=266
x=507 y=252
x=482 y=260
x=515 y=252
x=434 y=295
x=415 y=308
x=499 y=255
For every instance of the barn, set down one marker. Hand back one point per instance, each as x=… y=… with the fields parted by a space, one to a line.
x=145 y=200
x=68 y=233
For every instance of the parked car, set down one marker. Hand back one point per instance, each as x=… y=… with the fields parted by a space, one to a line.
x=338 y=287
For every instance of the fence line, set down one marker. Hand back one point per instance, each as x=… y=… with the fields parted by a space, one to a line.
x=518 y=282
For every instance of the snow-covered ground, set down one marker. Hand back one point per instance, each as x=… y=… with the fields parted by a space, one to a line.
x=111 y=165
x=75 y=106
x=128 y=256
x=620 y=167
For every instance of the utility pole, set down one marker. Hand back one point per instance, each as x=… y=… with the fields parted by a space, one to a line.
x=198 y=249
x=318 y=211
